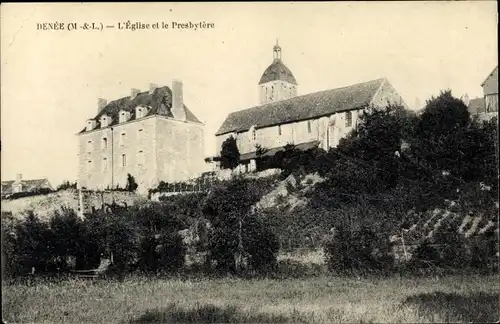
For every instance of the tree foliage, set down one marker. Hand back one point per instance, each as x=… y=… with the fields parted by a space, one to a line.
x=229 y=154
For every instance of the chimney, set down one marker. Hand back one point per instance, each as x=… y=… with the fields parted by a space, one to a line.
x=152 y=87
x=19 y=177
x=101 y=103
x=177 y=101
x=134 y=93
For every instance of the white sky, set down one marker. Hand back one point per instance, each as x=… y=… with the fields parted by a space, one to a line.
x=50 y=80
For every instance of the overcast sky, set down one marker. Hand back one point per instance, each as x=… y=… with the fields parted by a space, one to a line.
x=50 y=80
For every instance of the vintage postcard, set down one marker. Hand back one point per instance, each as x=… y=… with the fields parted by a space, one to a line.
x=250 y=162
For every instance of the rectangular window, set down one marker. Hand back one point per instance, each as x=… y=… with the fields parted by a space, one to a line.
x=89 y=146
x=89 y=166
x=104 y=164
x=348 y=119
x=140 y=158
x=140 y=134
x=124 y=160
x=104 y=143
x=279 y=129
x=122 y=139
x=309 y=126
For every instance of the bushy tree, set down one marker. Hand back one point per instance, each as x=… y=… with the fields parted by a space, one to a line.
x=131 y=183
x=235 y=229
x=34 y=239
x=10 y=246
x=357 y=252
x=229 y=154
x=67 y=229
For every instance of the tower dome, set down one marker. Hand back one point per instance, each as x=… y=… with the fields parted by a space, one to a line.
x=277 y=70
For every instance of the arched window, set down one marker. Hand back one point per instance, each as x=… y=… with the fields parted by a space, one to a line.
x=348 y=119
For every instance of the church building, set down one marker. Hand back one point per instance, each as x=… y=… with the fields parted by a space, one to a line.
x=283 y=117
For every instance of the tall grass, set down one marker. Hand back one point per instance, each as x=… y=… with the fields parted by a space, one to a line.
x=313 y=300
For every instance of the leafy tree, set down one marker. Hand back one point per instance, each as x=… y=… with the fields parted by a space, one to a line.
x=235 y=229
x=131 y=184
x=229 y=154
x=34 y=239
x=67 y=230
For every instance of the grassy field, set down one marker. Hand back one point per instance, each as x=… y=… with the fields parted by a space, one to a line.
x=313 y=300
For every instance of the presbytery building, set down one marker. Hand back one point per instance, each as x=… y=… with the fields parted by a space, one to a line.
x=150 y=135
x=283 y=117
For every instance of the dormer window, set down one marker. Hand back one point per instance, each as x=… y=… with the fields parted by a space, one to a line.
x=124 y=116
x=140 y=112
x=91 y=123
x=105 y=121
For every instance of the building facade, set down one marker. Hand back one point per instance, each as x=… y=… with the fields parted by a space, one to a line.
x=19 y=185
x=150 y=135
x=321 y=118
x=487 y=106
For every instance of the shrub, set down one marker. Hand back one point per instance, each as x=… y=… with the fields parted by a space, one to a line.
x=67 y=229
x=131 y=184
x=10 y=247
x=66 y=185
x=35 y=192
x=261 y=245
x=356 y=252
x=34 y=244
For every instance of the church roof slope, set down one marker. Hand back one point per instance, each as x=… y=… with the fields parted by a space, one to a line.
x=303 y=107
x=160 y=102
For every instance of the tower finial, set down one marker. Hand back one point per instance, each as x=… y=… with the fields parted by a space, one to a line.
x=277 y=51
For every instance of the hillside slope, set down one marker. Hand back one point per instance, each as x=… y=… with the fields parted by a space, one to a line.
x=45 y=205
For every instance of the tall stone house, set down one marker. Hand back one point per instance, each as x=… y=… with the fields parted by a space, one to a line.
x=282 y=117
x=19 y=185
x=150 y=135
x=487 y=106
